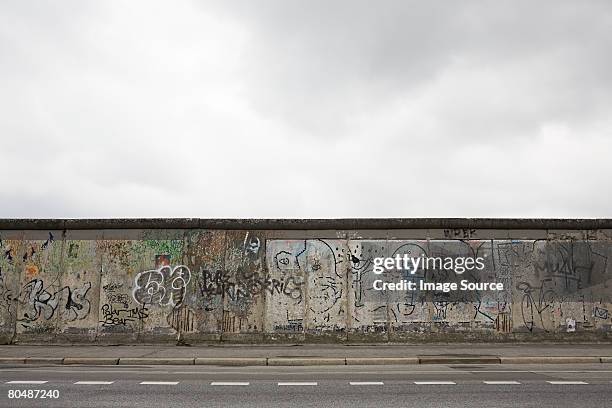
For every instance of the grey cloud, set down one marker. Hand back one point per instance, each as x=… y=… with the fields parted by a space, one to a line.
x=320 y=64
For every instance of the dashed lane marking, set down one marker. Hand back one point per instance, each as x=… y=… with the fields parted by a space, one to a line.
x=366 y=383
x=567 y=382
x=435 y=382
x=228 y=383
x=501 y=382
x=297 y=383
x=159 y=382
x=94 y=382
x=27 y=382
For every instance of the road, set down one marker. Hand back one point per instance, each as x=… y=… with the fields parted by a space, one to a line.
x=329 y=386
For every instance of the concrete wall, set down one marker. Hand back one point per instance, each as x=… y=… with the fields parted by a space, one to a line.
x=135 y=281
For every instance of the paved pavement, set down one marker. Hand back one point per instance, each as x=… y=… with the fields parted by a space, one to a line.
x=566 y=385
x=308 y=350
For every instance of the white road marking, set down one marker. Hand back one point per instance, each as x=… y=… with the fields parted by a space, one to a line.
x=435 y=382
x=297 y=383
x=27 y=382
x=366 y=383
x=228 y=383
x=501 y=382
x=566 y=382
x=159 y=382
x=94 y=382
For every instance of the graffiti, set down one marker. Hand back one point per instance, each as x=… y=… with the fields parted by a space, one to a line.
x=164 y=286
x=532 y=308
x=112 y=316
x=459 y=233
x=480 y=312
x=73 y=250
x=293 y=325
x=38 y=301
x=251 y=245
x=360 y=267
x=402 y=311
x=256 y=283
x=570 y=325
x=330 y=293
x=31 y=271
x=503 y=322
x=575 y=263
x=111 y=287
x=114 y=297
x=71 y=304
x=247 y=286
x=121 y=298
x=29 y=254
x=282 y=258
x=316 y=261
x=171 y=248
x=515 y=254
x=48 y=242
x=600 y=313
x=8 y=255
x=181 y=319
x=75 y=304
x=232 y=323
x=162 y=260
x=6 y=295
x=441 y=308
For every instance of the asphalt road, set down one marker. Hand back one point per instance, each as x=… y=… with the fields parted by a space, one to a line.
x=328 y=386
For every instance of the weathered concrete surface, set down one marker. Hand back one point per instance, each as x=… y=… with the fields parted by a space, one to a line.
x=44 y=360
x=381 y=360
x=461 y=360
x=254 y=281
x=152 y=360
x=90 y=360
x=232 y=361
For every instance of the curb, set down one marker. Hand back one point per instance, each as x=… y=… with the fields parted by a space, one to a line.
x=12 y=360
x=44 y=360
x=247 y=361
x=459 y=360
x=91 y=360
x=552 y=360
x=306 y=361
x=156 y=361
x=381 y=360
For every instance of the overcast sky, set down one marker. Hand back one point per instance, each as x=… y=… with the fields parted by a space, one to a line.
x=305 y=109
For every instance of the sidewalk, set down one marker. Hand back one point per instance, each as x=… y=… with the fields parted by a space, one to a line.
x=308 y=354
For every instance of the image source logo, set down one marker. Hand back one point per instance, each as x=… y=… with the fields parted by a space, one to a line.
x=412 y=264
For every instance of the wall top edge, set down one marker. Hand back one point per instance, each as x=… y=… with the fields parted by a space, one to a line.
x=306 y=224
